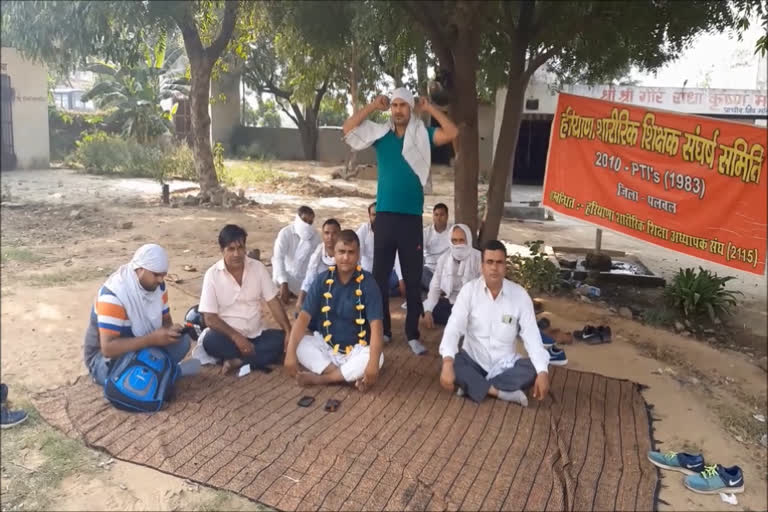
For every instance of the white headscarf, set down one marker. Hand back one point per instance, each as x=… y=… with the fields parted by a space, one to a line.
x=469 y=262
x=305 y=232
x=144 y=308
x=416 y=147
x=327 y=260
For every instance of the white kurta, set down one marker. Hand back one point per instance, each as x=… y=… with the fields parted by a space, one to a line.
x=463 y=272
x=318 y=263
x=291 y=257
x=490 y=327
x=435 y=245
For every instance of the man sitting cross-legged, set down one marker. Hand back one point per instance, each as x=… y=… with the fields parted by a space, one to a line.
x=131 y=312
x=346 y=302
x=294 y=246
x=489 y=312
x=455 y=268
x=230 y=303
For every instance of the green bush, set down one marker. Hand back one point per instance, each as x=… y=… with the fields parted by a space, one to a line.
x=695 y=294
x=101 y=153
x=536 y=273
x=66 y=128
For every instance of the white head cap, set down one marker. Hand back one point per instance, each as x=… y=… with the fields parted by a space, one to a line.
x=403 y=94
x=151 y=257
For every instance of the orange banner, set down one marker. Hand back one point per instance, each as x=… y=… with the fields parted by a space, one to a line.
x=691 y=184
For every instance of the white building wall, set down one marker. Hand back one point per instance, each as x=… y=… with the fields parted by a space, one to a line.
x=29 y=80
x=734 y=103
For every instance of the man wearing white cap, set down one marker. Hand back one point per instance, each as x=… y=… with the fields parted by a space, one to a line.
x=131 y=312
x=403 y=157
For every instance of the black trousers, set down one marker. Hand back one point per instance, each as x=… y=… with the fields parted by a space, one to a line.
x=267 y=348
x=402 y=234
x=442 y=311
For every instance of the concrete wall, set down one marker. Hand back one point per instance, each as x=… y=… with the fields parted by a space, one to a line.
x=285 y=144
x=29 y=81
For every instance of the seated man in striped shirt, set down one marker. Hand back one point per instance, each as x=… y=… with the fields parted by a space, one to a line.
x=131 y=312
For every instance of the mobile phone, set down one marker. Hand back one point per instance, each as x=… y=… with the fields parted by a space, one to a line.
x=306 y=401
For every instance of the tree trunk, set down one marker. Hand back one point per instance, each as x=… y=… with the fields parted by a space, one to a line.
x=199 y=94
x=309 y=133
x=201 y=61
x=354 y=78
x=421 y=67
x=503 y=161
x=465 y=57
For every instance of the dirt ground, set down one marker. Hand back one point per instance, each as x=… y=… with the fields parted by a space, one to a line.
x=63 y=233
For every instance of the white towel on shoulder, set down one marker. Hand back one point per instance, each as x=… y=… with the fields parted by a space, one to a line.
x=416 y=148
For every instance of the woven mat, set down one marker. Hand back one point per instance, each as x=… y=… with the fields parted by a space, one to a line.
x=405 y=445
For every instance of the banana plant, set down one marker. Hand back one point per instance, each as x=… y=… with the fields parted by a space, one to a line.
x=134 y=93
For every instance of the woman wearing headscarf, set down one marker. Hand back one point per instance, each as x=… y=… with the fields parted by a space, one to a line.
x=455 y=268
x=131 y=312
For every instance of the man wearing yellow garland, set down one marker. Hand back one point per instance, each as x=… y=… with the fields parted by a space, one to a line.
x=346 y=304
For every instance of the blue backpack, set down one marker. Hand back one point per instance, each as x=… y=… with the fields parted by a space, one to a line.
x=141 y=381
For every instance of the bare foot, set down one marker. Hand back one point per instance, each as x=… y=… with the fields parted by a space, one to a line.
x=308 y=379
x=230 y=366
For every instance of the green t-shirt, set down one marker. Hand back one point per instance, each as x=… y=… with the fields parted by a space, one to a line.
x=399 y=188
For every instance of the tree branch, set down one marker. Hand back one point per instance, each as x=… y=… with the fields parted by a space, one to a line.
x=377 y=54
x=214 y=51
x=319 y=93
x=537 y=61
x=435 y=34
x=287 y=112
x=186 y=23
x=299 y=119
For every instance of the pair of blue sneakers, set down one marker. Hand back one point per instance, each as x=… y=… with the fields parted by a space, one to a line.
x=701 y=478
x=556 y=354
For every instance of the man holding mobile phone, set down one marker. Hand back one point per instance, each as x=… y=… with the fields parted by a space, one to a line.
x=131 y=312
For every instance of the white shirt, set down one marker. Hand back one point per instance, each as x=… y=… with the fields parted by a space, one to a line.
x=435 y=245
x=287 y=260
x=490 y=326
x=318 y=263
x=238 y=305
x=365 y=234
x=462 y=274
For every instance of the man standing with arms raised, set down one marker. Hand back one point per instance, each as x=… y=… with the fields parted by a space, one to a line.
x=403 y=159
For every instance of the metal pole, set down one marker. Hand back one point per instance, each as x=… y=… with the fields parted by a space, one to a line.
x=598 y=240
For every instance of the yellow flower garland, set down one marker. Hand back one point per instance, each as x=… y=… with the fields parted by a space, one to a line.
x=360 y=307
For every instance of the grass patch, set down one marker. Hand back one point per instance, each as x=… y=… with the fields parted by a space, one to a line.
x=29 y=485
x=249 y=174
x=52 y=279
x=19 y=254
